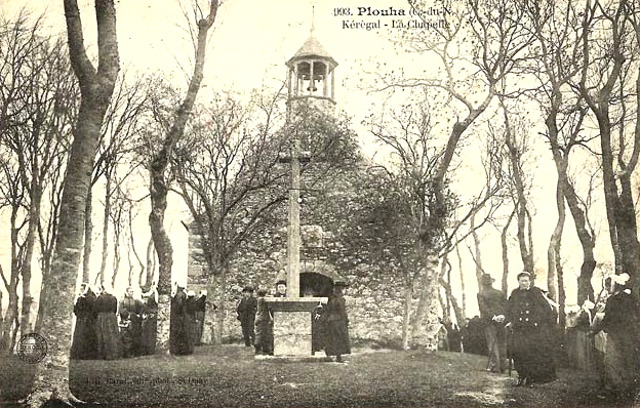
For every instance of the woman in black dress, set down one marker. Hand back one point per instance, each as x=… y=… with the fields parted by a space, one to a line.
x=263 y=325
x=337 y=324
x=532 y=321
x=85 y=340
x=621 y=323
x=107 y=325
x=149 y=322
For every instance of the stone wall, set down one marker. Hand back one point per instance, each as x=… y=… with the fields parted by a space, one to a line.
x=374 y=299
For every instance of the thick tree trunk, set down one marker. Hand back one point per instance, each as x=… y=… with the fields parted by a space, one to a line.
x=164 y=250
x=52 y=380
x=425 y=322
x=52 y=376
x=88 y=231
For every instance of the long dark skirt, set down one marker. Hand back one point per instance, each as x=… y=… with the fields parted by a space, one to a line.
x=136 y=334
x=108 y=336
x=264 y=335
x=85 y=340
x=199 y=327
x=533 y=351
x=149 y=334
x=337 y=338
x=620 y=364
x=189 y=328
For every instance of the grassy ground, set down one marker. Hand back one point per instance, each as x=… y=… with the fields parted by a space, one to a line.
x=229 y=376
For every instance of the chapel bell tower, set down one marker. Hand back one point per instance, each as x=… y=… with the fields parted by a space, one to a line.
x=311 y=76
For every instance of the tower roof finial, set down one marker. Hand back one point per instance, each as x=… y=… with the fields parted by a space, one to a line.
x=313 y=18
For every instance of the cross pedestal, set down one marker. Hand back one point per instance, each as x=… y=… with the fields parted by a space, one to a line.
x=292 y=325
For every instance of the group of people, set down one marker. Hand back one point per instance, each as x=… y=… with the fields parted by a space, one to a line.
x=523 y=328
x=186 y=320
x=107 y=329
x=611 y=338
x=329 y=324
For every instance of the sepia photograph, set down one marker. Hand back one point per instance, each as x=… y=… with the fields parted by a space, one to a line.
x=319 y=203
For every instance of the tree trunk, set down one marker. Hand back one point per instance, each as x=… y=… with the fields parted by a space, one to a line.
x=12 y=308
x=88 y=230
x=526 y=251
x=553 y=252
x=444 y=302
x=505 y=254
x=462 y=285
x=105 y=230
x=406 y=315
x=52 y=376
x=476 y=245
x=425 y=322
x=151 y=268
x=164 y=250
x=27 y=299
x=160 y=162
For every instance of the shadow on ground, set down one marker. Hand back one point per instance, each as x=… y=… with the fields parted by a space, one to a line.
x=229 y=376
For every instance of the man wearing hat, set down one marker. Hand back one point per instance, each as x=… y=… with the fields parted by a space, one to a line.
x=492 y=304
x=281 y=288
x=246 y=310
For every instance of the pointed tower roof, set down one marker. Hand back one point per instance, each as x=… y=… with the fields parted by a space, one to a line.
x=312 y=48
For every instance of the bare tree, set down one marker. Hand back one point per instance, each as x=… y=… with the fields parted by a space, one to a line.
x=96 y=86
x=609 y=82
x=556 y=65
x=35 y=139
x=115 y=158
x=159 y=164
x=493 y=36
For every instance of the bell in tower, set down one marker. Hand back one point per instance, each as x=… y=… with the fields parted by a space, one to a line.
x=311 y=75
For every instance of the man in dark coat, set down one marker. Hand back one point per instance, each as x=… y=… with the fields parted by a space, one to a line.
x=133 y=308
x=85 y=339
x=149 y=322
x=246 y=310
x=337 y=324
x=107 y=325
x=493 y=305
x=531 y=318
x=177 y=327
